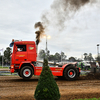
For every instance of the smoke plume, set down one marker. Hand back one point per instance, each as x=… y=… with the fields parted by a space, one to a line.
x=40 y=32
x=60 y=12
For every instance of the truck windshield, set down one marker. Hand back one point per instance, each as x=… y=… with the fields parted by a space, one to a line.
x=21 y=48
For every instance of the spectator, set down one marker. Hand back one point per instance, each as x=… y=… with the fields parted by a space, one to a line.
x=81 y=65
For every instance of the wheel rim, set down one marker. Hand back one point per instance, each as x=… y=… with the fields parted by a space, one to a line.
x=71 y=73
x=26 y=72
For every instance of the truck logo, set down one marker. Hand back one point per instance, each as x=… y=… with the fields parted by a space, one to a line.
x=20 y=55
x=31 y=48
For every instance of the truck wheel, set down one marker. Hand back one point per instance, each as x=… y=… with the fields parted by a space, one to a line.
x=26 y=72
x=70 y=73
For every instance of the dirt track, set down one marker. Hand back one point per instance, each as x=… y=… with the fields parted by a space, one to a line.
x=15 y=88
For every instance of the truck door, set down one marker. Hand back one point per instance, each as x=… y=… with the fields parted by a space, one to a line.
x=31 y=52
x=21 y=54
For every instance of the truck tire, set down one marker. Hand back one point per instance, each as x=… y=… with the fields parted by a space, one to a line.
x=70 y=73
x=26 y=72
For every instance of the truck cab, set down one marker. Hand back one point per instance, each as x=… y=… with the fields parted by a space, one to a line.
x=24 y=52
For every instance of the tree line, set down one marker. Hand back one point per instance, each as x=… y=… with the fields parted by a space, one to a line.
x=6 y=56
x=57 y=57
x=62 y=57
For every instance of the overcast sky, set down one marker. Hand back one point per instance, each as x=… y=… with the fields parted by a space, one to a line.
x=81 y=32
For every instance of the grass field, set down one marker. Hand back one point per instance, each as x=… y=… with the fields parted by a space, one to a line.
x=3 y=67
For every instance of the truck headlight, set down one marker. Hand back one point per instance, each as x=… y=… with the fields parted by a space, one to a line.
x=12 y=66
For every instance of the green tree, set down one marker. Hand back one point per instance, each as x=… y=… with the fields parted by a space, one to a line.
x=85 y=56
x=47 y=88
x=72 y=59
x=90 y=58
x=63 y=56
x=7 y=53
x=51 y=58
x=57 y=57
x=42 y=54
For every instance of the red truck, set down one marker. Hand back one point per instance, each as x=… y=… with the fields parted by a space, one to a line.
x=24 y=58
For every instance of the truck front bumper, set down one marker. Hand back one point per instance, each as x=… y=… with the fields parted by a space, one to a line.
x=12 y=70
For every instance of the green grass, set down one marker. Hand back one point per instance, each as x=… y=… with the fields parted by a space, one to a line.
x=3 y=67
x=8 y=74
x=89 y=99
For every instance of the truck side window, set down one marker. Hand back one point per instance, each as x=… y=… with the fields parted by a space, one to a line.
x=21 y=48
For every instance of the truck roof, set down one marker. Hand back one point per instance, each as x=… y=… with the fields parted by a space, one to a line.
x=21 y=42
x=24 y=42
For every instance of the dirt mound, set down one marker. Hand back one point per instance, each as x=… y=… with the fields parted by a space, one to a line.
x=91 y=76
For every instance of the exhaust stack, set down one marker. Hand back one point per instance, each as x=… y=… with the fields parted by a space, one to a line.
x=38 y=33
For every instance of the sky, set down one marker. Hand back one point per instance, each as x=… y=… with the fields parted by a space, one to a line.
x=80 y=34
